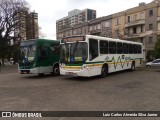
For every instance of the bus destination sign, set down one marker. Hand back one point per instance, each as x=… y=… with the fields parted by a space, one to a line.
x=73 y=39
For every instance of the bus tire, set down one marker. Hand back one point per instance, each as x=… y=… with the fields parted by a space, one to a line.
x=56 y=70
x=104 y=71
x=133 y=66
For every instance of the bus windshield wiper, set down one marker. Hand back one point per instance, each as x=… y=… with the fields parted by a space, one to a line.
x=72 y=55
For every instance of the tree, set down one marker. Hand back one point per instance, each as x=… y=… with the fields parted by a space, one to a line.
x=41 y=34
x=150 y=55
x=157 y=49
x=10 y=21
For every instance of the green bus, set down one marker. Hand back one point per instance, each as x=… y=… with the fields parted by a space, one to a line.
x=39 y=56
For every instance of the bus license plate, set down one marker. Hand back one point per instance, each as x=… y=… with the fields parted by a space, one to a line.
x=71 y=73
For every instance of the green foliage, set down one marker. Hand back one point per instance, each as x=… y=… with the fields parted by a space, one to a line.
x=157 y=49
x=10 y=10
x=150 y=55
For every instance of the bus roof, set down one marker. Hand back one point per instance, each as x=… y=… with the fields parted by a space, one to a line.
x=37 y=41
x=40 y=39
x=103 y=38
x=111 y=39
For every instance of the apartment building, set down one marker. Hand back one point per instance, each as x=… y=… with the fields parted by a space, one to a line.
x=95 y=27
x=28 y=25
x=151 y=25
x=75 y=17
x=118 y=25
x=78 y=29
x=140 y=24
x=135 y=23
x=32 y=25
x=106 y=23
x=20 y=28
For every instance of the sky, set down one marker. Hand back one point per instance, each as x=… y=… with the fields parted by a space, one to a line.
x=51 y=10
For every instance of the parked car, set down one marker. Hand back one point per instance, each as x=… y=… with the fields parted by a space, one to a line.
x=155 y=63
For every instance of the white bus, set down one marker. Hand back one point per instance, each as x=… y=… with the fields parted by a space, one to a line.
x=94 y=55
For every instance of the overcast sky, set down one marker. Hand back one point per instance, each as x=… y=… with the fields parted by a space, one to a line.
x=51 y=10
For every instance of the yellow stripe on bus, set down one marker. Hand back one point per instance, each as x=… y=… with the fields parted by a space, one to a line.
x=95 y=65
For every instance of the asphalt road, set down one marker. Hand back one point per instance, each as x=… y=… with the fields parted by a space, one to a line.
x=122 y=91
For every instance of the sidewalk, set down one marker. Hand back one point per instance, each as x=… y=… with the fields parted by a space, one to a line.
x=143 y=67
x=8 y=69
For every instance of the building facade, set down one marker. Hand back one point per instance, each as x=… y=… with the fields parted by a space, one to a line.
x=118 y=25
x=27 y=27
x=74 y=17
x=139 y=24
x=32 y=26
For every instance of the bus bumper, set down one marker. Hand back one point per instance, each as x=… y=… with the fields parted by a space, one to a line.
x=81 y=72
x=33 y=71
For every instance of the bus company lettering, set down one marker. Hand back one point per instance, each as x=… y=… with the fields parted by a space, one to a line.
x=34 y=115
x=14 y=114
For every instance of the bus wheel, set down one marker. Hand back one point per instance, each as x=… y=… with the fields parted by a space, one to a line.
x=56 y=70
x=104 y=71
x=133 y=66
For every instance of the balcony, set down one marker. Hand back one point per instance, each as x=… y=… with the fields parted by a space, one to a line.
x=158 y=19
x=135 y=35
x=134 y=23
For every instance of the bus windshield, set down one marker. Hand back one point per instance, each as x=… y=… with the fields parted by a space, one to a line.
x=76 y=52
x=27 y=52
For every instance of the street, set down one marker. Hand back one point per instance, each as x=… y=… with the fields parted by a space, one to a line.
x=121 y=91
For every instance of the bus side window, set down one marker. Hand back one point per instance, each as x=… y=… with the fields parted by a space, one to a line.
x=131 y=49
x=139 y=51
x=93 y=49
x=103 y=47
x=112 y=47
x=55 y=49
x=135 y=49
x=43 y=51
x=125 y=48
x=119 y=48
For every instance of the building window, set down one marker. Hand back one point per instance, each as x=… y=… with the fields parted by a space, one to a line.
x=90 y=28
x=94 y=27
x=141 y=28
x=79 y=30
x=134 y=17
x=134 y=30
x=150 y=26
x=106 y=24
x=150 y=12
x=150 y=39
x=75 y=32
x=128 y=19
x=99 y=26
x=142 y=15
x=117 y=21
